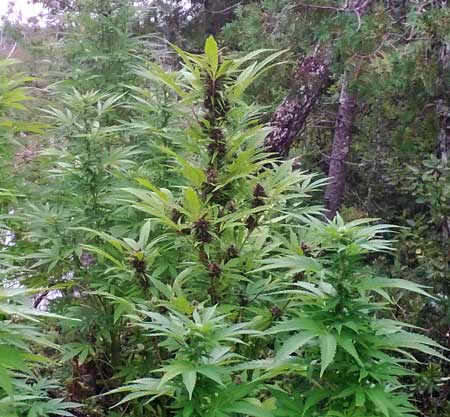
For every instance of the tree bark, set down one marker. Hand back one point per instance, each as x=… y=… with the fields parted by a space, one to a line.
x=340 y=149
x=443 y=141
x=443 y=103
x=311 y=77
x=443 y=114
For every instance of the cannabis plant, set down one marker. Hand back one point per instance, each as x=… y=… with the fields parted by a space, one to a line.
x=23 y=391
x=15 y=151
x=90 y=156
x=339 y=323
x=255 y=305
x=100 y=44
x=206 y=236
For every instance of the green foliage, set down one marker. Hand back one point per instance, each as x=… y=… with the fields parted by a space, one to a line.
x=13 y=97
x=243 y=311
x=202 y=275
x=101 y=45
x=22 y=391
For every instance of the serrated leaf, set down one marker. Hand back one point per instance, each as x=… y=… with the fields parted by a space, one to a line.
x=212 y=55
x=189 y=381
x=328 y=345
x=293 y=344
x=379 y=399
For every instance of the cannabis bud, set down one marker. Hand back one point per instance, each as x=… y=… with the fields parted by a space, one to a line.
x=232 y=253
x=214 y=270
x=216 y=105
x=299 y=276
x=258 y=195
x=305 y=248
x=276 y=312
x=217 y=147
x=139 y=265
x=251 y=223
x=216 y=134
x=87 y=259
x=238 y=380
x=211 y=175
x=201 y=227
x=175 y=215
x=259 y=191
x=231 y=206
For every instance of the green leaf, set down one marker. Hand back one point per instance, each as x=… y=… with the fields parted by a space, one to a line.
x=360 y=398
x=189 y=381
x=293 y=344
x=5 y=381
x=211 y=372
x=144 y=235
x=327 y=351
x=188 y=410
x=212 y=55
x=11 y=358
x=401 y=284
x=379 y=399
x=104 y=254
x=313 y=397
x=347 y=344
x=295 y=263
x=192 y=203
x=248 y=409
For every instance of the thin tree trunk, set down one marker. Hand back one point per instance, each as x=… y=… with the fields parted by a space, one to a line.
x=311 y=77
x=443 y=103
x=340 y=149
x=443 y=115
x=342 y=139
x=443 y=141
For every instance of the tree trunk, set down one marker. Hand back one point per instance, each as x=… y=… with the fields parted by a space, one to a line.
x=342 y=138
x=340 y=149
x=311 y=77
x=443 y=103
x=443 y=141
x=443 y=115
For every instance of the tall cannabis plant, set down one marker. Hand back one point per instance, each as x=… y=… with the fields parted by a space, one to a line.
x=206 y=235
x=89 y=151
x=24 y=391
x=255 y=307
x=90 y=156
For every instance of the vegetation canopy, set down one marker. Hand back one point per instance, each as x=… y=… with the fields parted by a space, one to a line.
x=190 y=229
